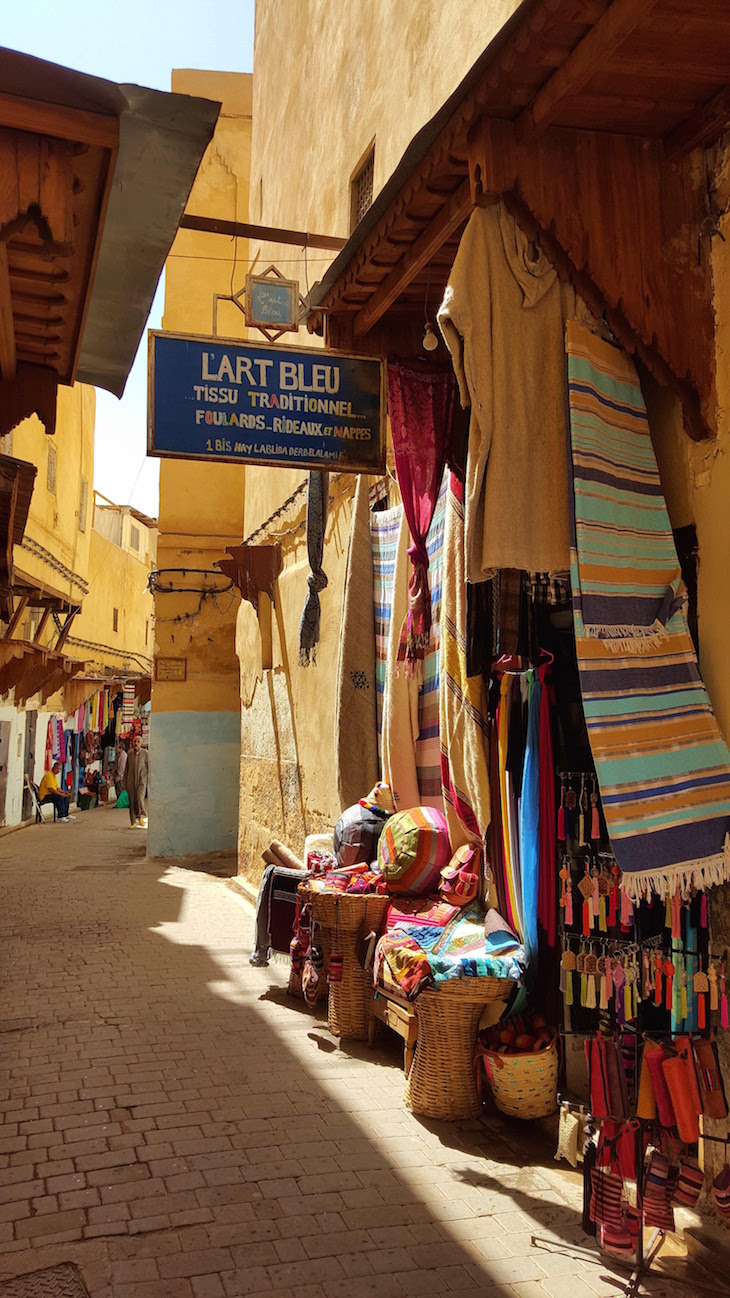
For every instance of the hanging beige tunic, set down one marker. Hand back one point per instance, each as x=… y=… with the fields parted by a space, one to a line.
x=503 y=320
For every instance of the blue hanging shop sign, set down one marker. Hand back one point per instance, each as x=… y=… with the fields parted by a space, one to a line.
x=252 y=403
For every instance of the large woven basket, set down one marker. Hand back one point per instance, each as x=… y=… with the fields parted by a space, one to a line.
x=524 y=1085
x=441 y=1083
x=339 y=916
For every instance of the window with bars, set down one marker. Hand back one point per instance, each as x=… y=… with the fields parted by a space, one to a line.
x=134 y=542
x=361 y=189
x=83 y=504
x=52 y=468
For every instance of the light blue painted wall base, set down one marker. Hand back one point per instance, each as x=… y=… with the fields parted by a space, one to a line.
x=195 y=760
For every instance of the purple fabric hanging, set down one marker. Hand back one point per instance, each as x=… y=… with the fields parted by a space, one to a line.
x=421 y=401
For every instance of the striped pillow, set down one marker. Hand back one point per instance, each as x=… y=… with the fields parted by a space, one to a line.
x=413 y=850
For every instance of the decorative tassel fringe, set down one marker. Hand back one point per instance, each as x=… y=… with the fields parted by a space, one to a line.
x=699 y=875
x=630 y=639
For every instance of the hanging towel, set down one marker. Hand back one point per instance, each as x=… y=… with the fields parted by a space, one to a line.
x=317 y=499
x=464 y=719
x=356 y=736
x=421 y=402
x=547 y=903
x=662 y=764
x=384 y=532
x=528 y=817
x=400 y=698
x=502 y=318
x=428 y=748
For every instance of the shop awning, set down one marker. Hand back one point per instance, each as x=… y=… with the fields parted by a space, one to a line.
x=586 y=115
x=16 y=488
x=96 y=178
x=30 y=669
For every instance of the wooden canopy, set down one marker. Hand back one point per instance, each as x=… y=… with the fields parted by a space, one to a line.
x=588 y=117
x=30 y=669
x=16 y=488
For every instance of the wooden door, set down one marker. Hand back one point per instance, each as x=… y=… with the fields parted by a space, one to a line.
x=6 y=729
x=31 y=720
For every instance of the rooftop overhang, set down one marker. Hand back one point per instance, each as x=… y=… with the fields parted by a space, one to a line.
x=95 y=178
x=32 y=670
x=16 y=489
x=588 y=117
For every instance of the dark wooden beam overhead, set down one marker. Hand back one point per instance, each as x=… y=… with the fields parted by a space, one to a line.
x=61 y=123
x=267 y=233
x=8 y=355
x=701 y=128
x=452 y=214
x=595 y=49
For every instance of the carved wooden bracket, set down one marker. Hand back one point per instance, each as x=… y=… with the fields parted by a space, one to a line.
x=625 y=226
x=32 y=391
x=37 y=187
x=254 y=569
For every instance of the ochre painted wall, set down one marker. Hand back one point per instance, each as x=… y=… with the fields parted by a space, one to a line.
x=195 y=723
x=117 y=580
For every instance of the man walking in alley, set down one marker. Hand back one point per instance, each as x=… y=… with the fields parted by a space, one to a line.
x=135 y=782
x=50 y=792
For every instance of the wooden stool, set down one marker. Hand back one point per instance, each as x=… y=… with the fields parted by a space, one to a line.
x=392 y=1009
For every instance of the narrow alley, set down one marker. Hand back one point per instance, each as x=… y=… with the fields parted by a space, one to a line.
x=178 y=1127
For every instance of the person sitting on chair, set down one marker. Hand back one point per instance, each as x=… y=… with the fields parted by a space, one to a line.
x=50 y=792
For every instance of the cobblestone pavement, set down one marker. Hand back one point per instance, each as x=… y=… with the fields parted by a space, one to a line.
x=177 y=1126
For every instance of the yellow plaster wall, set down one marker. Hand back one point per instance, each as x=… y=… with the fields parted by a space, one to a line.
x=53 y=520
x=117 y=580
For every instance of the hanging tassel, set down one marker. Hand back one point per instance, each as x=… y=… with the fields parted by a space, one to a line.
x=618 y=974
x=628 y=1002
x=571 y=803
x=627 y=912
x=603 y=1000
x=583 y=812
x=595 y=818
x=703 y=910
x=591 y=994
x=701 y=985
x=647 y=976
x=668 y=913
x=595 y=901
x=567 y=965
x=608 y=980
x=657 y=980
x=668 y=969
x=724 y=1016
x=585 y=888
x=712 y=977
x=683 y=980
x=603 y=927
x=614 y=897
x=676 y=916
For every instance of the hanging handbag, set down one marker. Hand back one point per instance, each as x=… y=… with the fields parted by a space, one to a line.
x=607 y=1191
x=622 y=1241
x=595 y=1048
x=658 y=1191
x=655 y=1064
x=679 y=1077
x=689 y=1182
x=709 y=1077
x=721 y=1189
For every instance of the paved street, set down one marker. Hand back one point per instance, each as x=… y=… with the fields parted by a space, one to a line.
x=180 y=1128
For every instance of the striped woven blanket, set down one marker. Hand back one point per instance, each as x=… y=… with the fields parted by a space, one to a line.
x=428 y=755
x=662 y=764
x=384 y=531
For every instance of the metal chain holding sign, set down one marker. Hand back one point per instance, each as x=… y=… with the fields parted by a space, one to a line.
x=317 y=499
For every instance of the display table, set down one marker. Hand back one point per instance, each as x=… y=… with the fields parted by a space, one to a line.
x=442 y=1082
x=341 y=917
x=391 y=1007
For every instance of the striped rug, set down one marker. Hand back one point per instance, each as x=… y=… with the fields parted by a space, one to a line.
x=384 y=530
x=662 y=764
x=428 y=755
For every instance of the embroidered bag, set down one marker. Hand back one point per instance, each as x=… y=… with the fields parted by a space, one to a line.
x=568 y=1130
x=689 y=1182
x=658 y=1191
x=607 y=1190
x=460 y=878
x=622 y=1241
x=712 y=1090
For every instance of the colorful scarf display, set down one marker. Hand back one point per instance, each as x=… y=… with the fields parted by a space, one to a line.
x=317 y=500
x=384 y=531
x=662 y=764
x=472 y=945
x=421 y=407
x=464 y=722
x=356 y=737
x=428 y=755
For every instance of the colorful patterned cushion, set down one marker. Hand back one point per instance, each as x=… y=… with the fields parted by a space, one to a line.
x=460 y=878
x=356 y=835
x=413 y=850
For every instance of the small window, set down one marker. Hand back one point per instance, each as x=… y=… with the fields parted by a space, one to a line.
x=83 y=504
x=51 y=471
x=135 y=538
x=116 y=619
x=361 y=189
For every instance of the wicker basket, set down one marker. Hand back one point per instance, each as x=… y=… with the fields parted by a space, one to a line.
x=441 y=1083
x=524 y=1085
x=339 y=916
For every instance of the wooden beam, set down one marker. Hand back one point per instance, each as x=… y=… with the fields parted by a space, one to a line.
x=619 y=20
x=75 y=124
x=456 y=210
x=42 y=624
x=267 y=233
x=701 y=128
x=65 y=630
x=20 y=608
x=8 y=357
